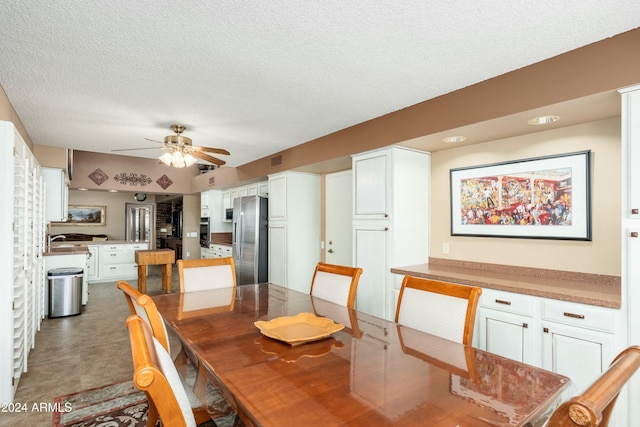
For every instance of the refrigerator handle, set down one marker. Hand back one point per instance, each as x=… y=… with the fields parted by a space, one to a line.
x=240 y=245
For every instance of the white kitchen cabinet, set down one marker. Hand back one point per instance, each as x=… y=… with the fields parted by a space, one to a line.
x=93 y=266
x=22 y=226
x=263 y=189
x=205 y=211
x=56 y=196
x=116 y=261
x=578 y=340
x=370 y=247
x=391 y=209
x=508 y=324
x=278 y=253
x=226 y=201
x=220 y=251
x=294 y=229
x=372 y=175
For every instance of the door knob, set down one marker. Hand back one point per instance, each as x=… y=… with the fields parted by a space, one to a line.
x=330 y=251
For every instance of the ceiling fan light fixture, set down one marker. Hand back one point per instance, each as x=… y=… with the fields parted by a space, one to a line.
x=177 y=159
x=166 y=158
x=189 y=159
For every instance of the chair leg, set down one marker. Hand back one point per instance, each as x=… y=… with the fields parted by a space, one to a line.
x=152 y=415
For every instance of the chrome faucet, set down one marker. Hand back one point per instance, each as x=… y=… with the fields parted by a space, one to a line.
x=59 y=236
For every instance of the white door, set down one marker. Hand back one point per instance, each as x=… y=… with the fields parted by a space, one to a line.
x=338 y=197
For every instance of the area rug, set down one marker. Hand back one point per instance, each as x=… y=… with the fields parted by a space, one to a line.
x=114 y=405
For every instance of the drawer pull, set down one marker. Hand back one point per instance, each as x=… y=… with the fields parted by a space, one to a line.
x=501 y=301
x=525 y=325
x=575 y=316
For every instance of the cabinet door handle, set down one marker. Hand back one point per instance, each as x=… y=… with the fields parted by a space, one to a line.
x=634 y=234
x=525 y=325
x=501 y=301
x=575 y=316
x=330 y=251
x=545 y=330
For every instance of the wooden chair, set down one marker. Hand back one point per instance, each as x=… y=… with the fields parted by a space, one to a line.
x=143 y=306
x=444 y=309
x=593 y=407
x=155 y=374
x=206 y=273
x=336 y=283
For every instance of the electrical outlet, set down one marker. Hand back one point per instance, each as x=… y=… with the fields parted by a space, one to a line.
x=445 y=248
x=188 y=253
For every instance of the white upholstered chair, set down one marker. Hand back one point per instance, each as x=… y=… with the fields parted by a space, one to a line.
x=156 y=375
x=336 y=283
x=206 y=273
x=447 y=310
x=142 y=306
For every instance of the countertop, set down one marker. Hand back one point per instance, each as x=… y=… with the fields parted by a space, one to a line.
x=78 y=247
x=584 y=288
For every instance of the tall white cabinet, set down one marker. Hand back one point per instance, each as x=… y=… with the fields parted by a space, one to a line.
x=294 y=229
x=391 y=215
x=631 y=229
x=21 y=242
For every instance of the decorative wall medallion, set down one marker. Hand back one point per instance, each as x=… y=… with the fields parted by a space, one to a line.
x=164 y=182
x=98 y=176
x=133 y=179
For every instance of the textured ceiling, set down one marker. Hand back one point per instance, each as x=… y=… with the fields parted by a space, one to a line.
x=259 y=77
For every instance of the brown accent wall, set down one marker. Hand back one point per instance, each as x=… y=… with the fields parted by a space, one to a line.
x=86 y=163
x=8 y=113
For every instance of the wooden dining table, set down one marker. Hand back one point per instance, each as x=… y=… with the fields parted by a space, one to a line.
x=371 y=373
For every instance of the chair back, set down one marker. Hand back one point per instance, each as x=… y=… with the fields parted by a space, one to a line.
x=142 y=305
x=447 y=310
x=155 y=374
x=206 y=273
x=593 y=407
x=336 y=283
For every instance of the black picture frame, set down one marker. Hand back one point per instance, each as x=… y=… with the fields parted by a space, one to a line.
x=536 y=198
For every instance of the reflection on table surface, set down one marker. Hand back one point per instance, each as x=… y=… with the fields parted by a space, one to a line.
x=373 y=372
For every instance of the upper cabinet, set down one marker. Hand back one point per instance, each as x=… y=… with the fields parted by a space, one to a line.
x=56 y=195
x=371 y=185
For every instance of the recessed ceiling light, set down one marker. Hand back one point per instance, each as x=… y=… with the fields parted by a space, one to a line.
x=113 y=191
x=82 y=189
x=543 y=120
x=454 y=139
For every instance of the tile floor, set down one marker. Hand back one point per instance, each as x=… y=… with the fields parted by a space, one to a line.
x=80 y=352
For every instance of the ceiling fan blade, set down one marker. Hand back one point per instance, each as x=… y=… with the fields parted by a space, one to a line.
x=212 y=150
x=207 y=158
x=145 y=148
x=153 y=140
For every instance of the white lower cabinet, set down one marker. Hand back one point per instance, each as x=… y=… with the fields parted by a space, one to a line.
x=578 y=340
x=507 y=325
x=116 y=262
x=575 y=340
x=370 y=253
x=93 y=266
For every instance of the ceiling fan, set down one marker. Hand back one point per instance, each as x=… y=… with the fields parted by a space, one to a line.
x=182 y=153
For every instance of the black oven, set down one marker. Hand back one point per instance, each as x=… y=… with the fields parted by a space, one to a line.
x=205 y=234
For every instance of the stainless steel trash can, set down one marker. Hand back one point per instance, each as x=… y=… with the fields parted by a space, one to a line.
x=65 y=291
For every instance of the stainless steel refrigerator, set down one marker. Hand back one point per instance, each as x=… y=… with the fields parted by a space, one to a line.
x=249 y=236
